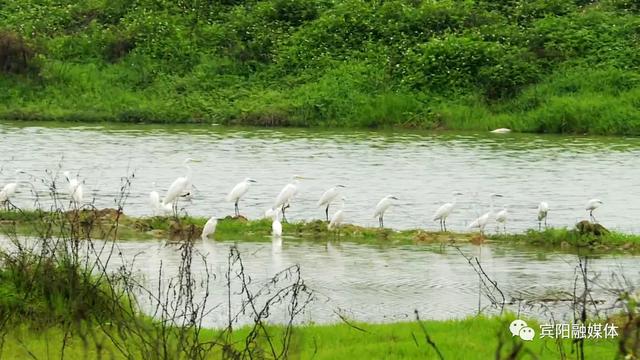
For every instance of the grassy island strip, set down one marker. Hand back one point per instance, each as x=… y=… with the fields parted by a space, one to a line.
x=102 y=226
x=530 y=65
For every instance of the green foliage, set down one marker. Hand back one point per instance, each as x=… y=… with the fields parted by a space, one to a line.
x=326 y=62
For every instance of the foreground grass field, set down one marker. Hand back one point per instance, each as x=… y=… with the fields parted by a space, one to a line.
x=102 y=224
x=473 y=338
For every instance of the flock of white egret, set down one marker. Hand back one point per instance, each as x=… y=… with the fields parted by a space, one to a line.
x=182 y=188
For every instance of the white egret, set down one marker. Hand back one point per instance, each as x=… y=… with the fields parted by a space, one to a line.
x=327 y=198
x=501 y=218
x=338 y=217
x=501 y=131
x=8 y=190
x=445 y=210
x=482 y=221
x=276 y=225
x=238 y=192
x=543 y=211
x=592 y=205
x=179 y=188
x=74 y=189
x=156 y=205
x=209 y=227
x=382 y=206
x=283 y=200
x=6 y=193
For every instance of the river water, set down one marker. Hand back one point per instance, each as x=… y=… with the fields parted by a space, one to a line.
x=421 y=169
x=386 y=284
x=361 y=282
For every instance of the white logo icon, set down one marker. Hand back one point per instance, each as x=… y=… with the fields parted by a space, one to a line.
x=519 y=328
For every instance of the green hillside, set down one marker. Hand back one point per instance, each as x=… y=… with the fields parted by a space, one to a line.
x=532 y=65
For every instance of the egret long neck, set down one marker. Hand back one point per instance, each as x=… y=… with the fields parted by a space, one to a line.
x=188 y=172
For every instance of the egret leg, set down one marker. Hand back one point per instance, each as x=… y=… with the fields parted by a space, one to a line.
x=382 y=221
x=444 y=224
x=326 y=211
x=237 y=209
x=539 y=225
x=284 y=218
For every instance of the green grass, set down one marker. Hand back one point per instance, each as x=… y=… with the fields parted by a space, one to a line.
x=103 y=226
x=472 y=338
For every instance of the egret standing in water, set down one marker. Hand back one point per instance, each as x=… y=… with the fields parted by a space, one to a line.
x=482 y=221
x=283 y=200
x=445 y=210
x=338 y=217
x=209 y=227
x=501 y=218
x=543 y=211
x=238 y=192
x=327 y=198
x=8 y=190
x=592 y=205
x=382 y=206
x=180 y=187
x=74 y=189
x=6 y=193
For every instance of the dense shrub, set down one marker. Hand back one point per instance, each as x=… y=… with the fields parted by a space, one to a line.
x=321 y=62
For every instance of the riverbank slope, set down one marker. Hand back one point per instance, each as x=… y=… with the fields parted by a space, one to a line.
x=532 y=66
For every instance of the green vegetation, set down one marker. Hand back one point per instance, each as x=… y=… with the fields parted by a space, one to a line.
x=473 y=338
x=531 y=65
x=109 y=224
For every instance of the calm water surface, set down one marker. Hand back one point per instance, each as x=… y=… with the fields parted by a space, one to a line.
x=376 y=284
x=421 y=169
x=361 y=282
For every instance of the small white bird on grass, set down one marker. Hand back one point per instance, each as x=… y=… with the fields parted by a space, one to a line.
x=180 y=187
x=592 y=205
x=328 y=197
x=156 y=205
x=382 y=206
x=543 y=211
x=481 y=222
x=238 y=192
x=74 y=189
x=445 y=210
x=209 y=227
x=288 y=192
x=338 y=217
x=501 y=218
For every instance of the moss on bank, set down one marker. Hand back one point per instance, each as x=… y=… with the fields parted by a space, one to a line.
x=101 y=224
